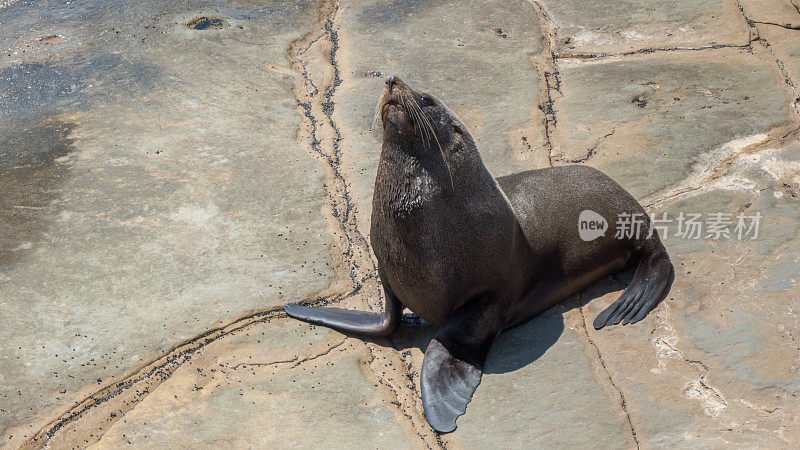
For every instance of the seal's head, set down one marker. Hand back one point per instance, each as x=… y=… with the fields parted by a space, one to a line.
x=419 y=123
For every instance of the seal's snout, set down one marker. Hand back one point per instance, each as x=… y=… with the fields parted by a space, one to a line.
x=390 y=82
x=396 y=98
x=392 y=97
x=394 y=85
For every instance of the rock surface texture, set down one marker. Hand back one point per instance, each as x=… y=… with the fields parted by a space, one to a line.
x=172 y=173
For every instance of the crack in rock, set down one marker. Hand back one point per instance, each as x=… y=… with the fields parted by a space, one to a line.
x=788 y=26
x=297 y=362
x=643 y=51
x=665 y=343
x=138 y=384
x=144 y=380
x=713 y=402
x=550 y=78
x=787 y=79
x=710 y=167
x=622 y=403
x=723 y=168
x=592 y=150
x=312 y=57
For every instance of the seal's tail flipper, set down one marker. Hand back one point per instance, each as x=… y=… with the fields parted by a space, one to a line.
x=453 y=364
x=645 y=291
x=358 y=322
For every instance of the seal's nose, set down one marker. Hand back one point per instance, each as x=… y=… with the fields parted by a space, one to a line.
x=390 y=81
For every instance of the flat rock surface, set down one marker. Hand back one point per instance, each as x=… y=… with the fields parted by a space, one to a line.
x=173 y=174
x=625 y=27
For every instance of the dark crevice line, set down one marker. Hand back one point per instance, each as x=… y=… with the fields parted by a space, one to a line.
x=622 y=402
x=273 y=363
x=703 y=369
x=702 y=381
x=551 y=77
x=694 y=362
x=719 y=169
x=592 y=150
x=549 y=111
x=644 y=51
x=409 y=373
x=343 y=206
x=313 y=41
x=328 y=108
x=326 y=352
x=294 y=360
x=782 y=25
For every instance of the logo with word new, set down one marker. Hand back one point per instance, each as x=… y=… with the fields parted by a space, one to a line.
x=591 y=225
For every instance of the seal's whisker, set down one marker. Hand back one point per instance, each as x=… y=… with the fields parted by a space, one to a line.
x=424 y=122
x=416 y=116
x=404 y=100
x=410 y=110
x=423 y=125
x=429 y=127
x=420 y=121
x=415 y=119
x=377 y=112
x=427 y=123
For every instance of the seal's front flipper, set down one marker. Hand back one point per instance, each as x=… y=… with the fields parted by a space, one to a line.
x=453 y=364
x=645 y=291
x=358 y=322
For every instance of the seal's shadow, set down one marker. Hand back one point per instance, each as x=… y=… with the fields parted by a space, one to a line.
x=521 y=345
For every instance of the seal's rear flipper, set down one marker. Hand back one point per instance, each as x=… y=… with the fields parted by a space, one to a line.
x=645 y=291
x=358 y=322
x=453 y=364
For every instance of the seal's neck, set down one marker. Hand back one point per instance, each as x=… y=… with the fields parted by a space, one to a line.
x=407 y=182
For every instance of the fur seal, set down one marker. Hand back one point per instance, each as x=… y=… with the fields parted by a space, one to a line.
x=476 y=255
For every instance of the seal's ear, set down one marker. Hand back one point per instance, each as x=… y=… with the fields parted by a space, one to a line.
x=453 y=364
x=457 y=129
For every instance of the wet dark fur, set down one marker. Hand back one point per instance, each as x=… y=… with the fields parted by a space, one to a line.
x=476 y=255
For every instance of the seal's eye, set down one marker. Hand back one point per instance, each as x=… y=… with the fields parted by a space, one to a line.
x=457 y=129
x=426 y=101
